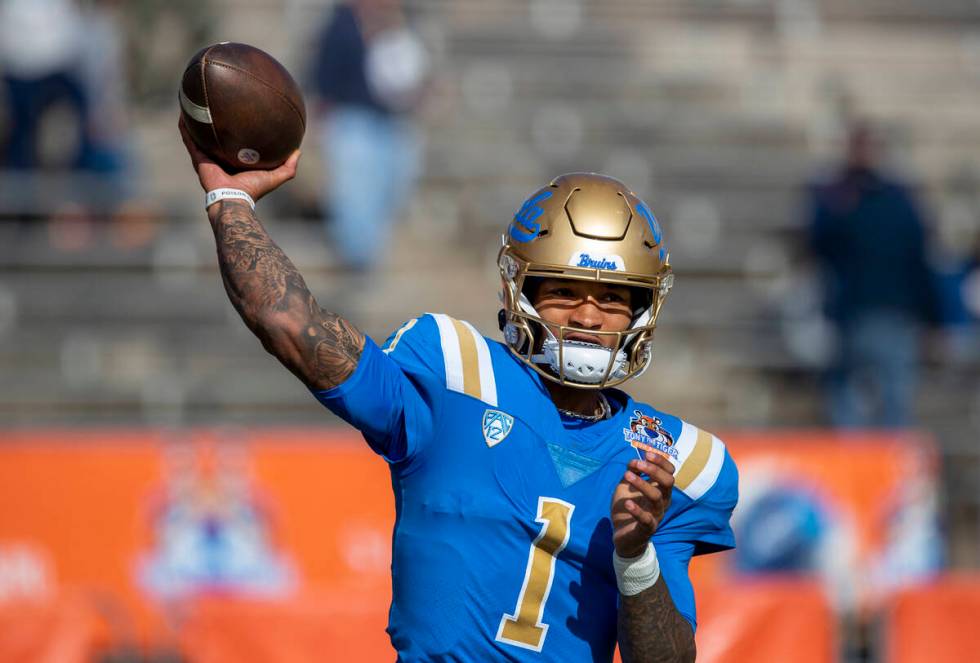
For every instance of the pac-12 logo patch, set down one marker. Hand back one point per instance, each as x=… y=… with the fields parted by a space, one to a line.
x=496 y=426
x=648 y=433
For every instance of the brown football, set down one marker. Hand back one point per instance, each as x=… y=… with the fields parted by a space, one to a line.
x=241 y=107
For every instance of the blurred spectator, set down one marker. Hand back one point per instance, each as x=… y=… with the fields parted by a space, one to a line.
x=369 y=74
x=104 y=77
x=40 y=45
x=64 y=87
x=868 y=235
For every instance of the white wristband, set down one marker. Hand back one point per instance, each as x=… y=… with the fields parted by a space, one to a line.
x=213 y=196
x=635 y=574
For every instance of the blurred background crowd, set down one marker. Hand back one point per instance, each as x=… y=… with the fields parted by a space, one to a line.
x=815 y=165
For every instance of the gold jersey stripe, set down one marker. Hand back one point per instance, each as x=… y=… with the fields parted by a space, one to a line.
x=695 y=462
x=398 y=335
x=470 y=359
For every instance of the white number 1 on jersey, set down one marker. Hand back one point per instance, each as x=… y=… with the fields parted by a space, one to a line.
x=524 y=627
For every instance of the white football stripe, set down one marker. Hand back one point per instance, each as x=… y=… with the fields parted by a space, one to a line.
x=488 y=384
x=200 y=113
x=451 y=354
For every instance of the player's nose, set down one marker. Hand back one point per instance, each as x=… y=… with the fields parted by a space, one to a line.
x=586 y=315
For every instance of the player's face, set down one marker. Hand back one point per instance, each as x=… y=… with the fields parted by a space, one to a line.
x=587 y=305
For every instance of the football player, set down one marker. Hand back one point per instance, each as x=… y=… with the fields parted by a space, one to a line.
x=541 y=513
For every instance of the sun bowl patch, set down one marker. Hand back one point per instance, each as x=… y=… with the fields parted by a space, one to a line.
x=648 y=433
x=496 y=426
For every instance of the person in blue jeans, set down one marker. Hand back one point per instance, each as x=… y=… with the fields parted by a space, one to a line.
x=868 y=235
x=368 y=74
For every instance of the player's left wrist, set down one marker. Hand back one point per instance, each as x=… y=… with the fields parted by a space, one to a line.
x=636 y=574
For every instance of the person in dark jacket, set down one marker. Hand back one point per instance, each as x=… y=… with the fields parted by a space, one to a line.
x=868 y=235
x=369 y=73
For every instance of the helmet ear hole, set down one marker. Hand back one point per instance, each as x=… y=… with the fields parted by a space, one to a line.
x=640 y=300
x=501 y=319
x=532 y=286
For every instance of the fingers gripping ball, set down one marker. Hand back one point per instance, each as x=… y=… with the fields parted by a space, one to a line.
x=241 y=107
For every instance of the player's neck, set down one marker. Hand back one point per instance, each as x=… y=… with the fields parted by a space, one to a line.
x=582 y=401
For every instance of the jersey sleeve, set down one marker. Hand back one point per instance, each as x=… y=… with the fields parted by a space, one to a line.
x=393 y=395
x=705 y=494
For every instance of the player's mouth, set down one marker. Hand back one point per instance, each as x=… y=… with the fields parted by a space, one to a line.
x=584 y=338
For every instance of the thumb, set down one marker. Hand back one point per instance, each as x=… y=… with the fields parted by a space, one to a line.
x=270 y=180
x=266 y=181
x=287 y=171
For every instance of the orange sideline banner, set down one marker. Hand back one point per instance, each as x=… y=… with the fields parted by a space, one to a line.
x=146 y=522
x=857 y=511
x=766 y=620
x=934 y=622
x=192 y=538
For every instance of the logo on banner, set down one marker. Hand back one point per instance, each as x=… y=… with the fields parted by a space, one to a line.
x=648 y=433
x=496 y=426
x=211 y=533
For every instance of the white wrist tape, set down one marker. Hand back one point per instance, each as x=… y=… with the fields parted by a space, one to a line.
x=213 y=196
x=635 y=574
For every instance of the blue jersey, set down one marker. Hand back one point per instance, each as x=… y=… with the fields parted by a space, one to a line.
x=502 y=548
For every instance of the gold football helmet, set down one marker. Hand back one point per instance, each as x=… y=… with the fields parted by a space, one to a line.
x=589 y=227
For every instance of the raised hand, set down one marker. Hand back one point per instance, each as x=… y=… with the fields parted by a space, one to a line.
x=638 y=504
x=255 y=183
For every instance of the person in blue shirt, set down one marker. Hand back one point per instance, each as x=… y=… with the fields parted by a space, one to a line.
x=542 y=514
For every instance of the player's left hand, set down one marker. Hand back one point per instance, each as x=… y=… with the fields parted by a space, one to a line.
x=638 y=504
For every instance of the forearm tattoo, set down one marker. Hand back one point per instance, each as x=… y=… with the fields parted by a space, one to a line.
x=651 y=630
x=266 y=289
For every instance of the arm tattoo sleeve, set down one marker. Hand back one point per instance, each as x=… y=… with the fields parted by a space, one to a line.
x=320 y=348
x=651 y=630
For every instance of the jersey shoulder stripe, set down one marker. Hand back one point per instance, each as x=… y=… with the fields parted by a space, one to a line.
x=466 y=356
x=700 y=456
x=488 y=383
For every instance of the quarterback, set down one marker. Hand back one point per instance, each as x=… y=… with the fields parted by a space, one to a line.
x=542 y=514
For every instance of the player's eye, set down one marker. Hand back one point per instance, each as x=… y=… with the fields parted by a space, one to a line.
x=614 y=297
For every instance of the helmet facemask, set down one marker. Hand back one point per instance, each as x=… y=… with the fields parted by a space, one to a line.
x=544 y=345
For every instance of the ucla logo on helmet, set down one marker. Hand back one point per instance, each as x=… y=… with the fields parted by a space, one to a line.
x=496 y=426
x=524 y=228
